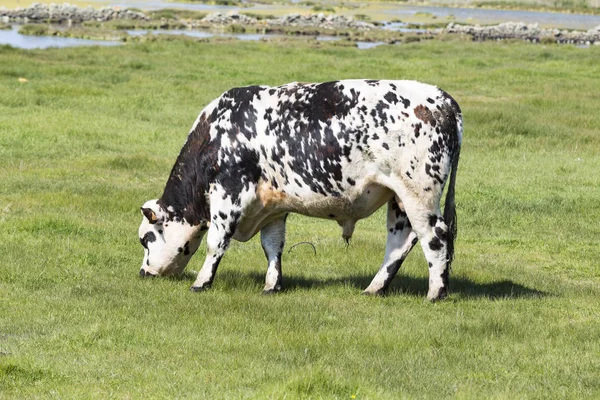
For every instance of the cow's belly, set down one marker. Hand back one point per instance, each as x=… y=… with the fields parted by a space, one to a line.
x=355 y=205
x=272 y=204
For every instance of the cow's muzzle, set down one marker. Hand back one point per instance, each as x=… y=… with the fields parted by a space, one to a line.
x=145 y=274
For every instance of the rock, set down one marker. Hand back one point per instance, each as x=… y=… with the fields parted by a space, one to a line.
x=321 y=21
x=64 y=12
x=232 y=17
x=520 y=30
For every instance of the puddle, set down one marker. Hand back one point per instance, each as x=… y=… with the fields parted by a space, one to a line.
x=402 y=27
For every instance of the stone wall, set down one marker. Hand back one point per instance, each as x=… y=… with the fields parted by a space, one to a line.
x=67 y=13
x=528 y=32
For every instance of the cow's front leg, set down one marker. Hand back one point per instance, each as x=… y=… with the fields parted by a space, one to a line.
x=222 y=228
x=272 y=238
x=400 y=240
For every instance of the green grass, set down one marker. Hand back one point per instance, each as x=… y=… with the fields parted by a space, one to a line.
x=93 y=133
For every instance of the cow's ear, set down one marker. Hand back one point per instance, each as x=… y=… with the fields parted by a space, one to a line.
x=150 y=215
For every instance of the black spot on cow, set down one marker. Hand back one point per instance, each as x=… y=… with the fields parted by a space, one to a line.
x=351 y=181
x=186 y=249
x=405 y=102
x=385 y=146
x=418 y=127
x=442 y=234
x=435 y=244
x=222 y=215
x=430 y=101
x=149 y=237
x=432 y=220
x=179 y=249
x=391 y=97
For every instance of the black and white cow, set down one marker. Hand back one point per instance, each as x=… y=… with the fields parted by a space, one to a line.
x=334 y=150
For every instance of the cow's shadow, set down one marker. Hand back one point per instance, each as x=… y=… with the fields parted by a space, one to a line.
x=402 y=285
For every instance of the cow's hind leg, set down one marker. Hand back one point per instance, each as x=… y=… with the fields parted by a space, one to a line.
x=432 y=231
x=272 y=238
x=400 y=240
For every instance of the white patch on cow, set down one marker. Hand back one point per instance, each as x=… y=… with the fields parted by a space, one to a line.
x=173 y=243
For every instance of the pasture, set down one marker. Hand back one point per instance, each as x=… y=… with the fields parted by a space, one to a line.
x=93 y=132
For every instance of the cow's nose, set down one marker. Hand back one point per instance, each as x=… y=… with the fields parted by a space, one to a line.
x=145 y=274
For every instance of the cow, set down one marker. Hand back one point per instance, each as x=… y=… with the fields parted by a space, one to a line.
x=335 y=150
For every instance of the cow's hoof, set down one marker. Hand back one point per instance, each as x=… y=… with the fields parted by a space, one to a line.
x=275 y=290
x=200 y=288
x=441 y=294
x=375 y=293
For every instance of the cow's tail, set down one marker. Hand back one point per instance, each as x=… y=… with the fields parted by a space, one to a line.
x=450 y=205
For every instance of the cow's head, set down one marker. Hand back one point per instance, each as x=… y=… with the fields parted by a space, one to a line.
x=168 y=242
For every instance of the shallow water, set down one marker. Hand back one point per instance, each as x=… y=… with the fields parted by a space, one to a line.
x=401 y=27
x=488 y=16
x=482 y=16
x=158 y=4
x=15 y=39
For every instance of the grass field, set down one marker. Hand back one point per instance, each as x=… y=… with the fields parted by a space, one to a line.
x=93 y=133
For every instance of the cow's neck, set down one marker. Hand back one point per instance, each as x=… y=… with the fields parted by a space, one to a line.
x=184 y=196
